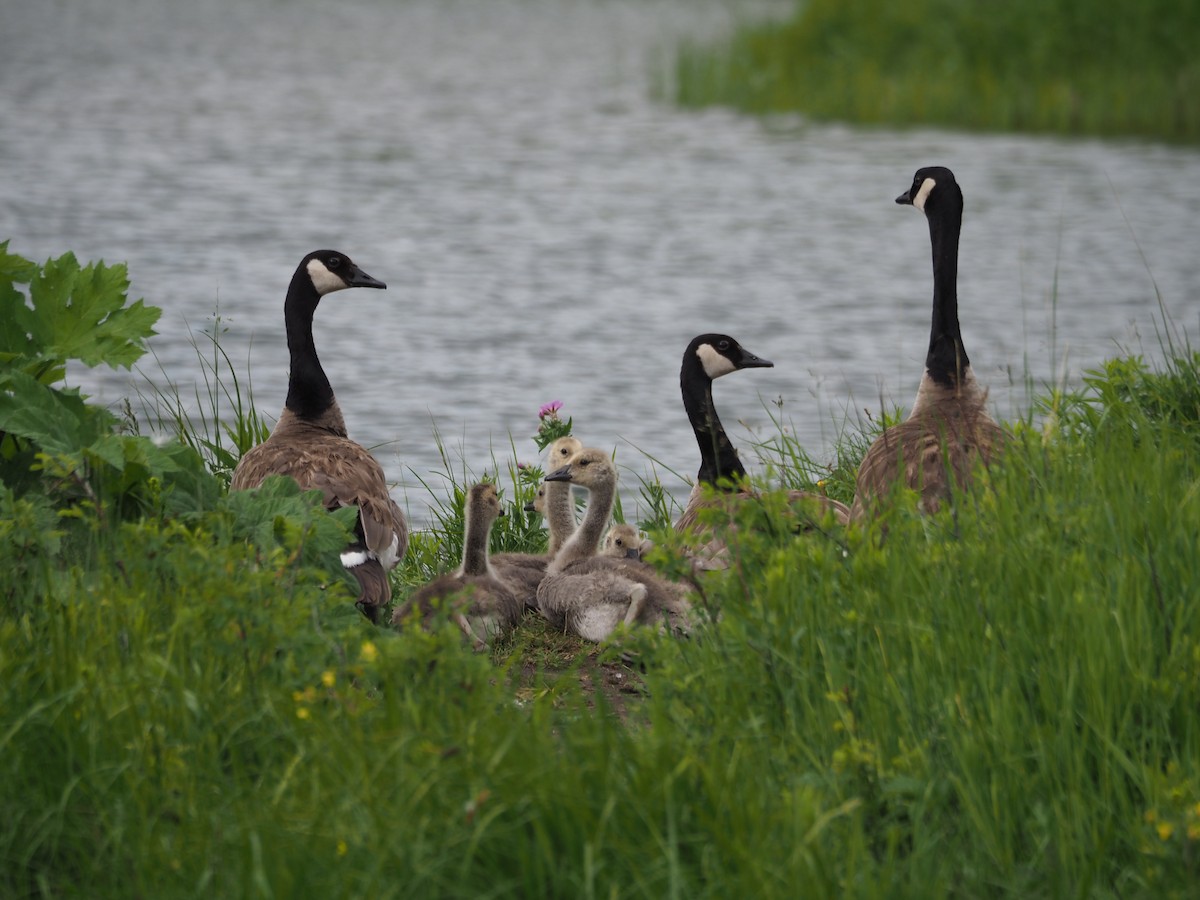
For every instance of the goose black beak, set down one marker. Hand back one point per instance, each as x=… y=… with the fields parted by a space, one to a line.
x=563 y=474
x=750 y=361
x=905 y=199
x=358 y=278
x=633 y=553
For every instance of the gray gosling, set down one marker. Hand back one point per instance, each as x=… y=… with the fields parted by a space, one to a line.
x=592 y=595
x=484 y=605
x=553 y=501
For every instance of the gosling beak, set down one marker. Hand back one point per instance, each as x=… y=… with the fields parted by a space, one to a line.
x=563 y=474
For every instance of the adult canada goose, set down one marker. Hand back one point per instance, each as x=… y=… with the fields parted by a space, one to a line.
x=489 y=606
x=578 y=582
x=553 y=500
x=949 y=429
x=708 y=357
x=309 y=441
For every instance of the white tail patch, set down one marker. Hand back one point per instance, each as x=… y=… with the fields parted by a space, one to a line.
x=927 y=187
x=715 y=363
x=323 y=280
x=352 y=558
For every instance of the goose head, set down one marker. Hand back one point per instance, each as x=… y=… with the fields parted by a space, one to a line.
x=719 y=354
x=560 y=453
x=931 y=187
x=624 y=542
x=589 y=468
x=538 y=503
x=483 y=503
x=330 y=271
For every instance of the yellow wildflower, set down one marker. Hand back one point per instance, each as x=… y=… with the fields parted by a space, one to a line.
x=1165 y=830
x=328 y=678
x=342 y=849
x=302 y=712
x=369 y=651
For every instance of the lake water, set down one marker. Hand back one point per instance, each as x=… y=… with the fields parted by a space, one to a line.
x=548 y=229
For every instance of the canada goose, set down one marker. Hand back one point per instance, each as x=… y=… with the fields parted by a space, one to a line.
x=949 y=428
x=491 y=606
x=707 y=357
x=553 y=500
x=309 y=441
x=578 y=582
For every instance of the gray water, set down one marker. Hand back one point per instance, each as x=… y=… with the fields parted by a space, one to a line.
x=547 y=228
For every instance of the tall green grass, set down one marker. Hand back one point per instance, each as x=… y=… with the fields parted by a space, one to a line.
x=998 y=700
x=1116 y=67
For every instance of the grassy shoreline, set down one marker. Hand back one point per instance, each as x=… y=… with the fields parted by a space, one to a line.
x=1000 y=699
x=1118 y=68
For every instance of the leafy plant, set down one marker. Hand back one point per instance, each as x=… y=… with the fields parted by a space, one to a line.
x=51 y=439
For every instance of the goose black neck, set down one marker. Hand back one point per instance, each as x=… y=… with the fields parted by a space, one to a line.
x=310 y=394
x=947 y=358
x=718 y=458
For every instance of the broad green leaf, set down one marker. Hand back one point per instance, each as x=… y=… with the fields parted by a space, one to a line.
x=57 y=421
x=81 y=314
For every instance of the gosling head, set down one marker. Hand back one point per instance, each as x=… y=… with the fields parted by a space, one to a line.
x=538 y=503
x=931 y=187
x=719 y=354
x=561 y=452
x=330 y=271
x=624 y=542
x=589 y=468
x=483 y=502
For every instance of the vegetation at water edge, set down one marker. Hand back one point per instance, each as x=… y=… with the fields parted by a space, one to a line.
x=1117 y=67
x=997 y=700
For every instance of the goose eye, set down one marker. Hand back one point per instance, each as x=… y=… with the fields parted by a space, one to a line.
x=333 y=262
x=723 y=345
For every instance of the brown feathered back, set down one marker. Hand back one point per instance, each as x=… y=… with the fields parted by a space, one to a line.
x=934 y=452
x=318 y=458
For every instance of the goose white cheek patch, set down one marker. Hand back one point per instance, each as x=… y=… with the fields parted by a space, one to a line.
x=323 y=280
x=715 y=365
x=923 y=194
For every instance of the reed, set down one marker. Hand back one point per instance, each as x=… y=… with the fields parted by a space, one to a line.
x=1119 y=67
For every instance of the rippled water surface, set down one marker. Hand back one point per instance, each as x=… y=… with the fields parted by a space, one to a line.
x=546 y=227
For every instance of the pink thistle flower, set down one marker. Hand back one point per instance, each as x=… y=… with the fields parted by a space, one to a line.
x=550 y=409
